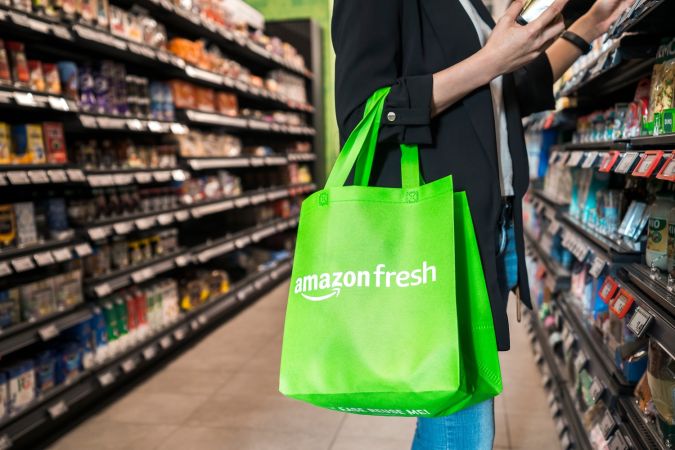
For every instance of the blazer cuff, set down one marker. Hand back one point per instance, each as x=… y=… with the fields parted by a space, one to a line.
x=407 y=110
x=534 y=84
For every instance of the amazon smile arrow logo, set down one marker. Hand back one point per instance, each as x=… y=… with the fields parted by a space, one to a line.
x=311 y=298
x=307 y=285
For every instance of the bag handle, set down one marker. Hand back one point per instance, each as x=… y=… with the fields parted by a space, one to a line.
x=361 y=145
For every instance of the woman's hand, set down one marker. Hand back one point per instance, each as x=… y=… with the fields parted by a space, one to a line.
x=512 y=45
x=599 y=18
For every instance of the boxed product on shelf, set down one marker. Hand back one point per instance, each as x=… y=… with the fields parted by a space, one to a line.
x=123 y=154
x=20 y=385
x=198 y=144
x=28 y=144
x=209 y=187
x=45 y=372
x=18 y=63
x=200 y=286
x=661 y=382
x=5 y=73
x=49 y=295
x=5 y=144
x=55 y=143
x=10 y=307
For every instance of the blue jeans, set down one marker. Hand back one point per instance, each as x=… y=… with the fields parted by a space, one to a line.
x=472 y=428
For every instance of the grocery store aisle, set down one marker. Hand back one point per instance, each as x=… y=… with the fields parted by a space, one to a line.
x=222 y=394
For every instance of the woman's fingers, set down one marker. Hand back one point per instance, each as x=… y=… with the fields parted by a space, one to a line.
x=513 y=10
x=548 y=16
x=552 y=32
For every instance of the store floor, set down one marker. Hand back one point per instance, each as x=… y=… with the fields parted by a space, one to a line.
x=222 y=394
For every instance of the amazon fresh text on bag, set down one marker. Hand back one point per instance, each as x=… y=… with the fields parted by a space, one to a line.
x=335 y=281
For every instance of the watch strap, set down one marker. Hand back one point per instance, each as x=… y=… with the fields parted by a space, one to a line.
x=577 y=41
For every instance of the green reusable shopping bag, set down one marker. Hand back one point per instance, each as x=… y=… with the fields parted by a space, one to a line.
x=388 y=312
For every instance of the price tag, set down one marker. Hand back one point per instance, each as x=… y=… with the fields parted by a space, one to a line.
x=608 y=289
x=242 y=242
x=202 y=319
x=5 y=269
x=258 y=198
x=38 y=176
x=194 y=325
x=129 y=365
x=575 y=159
x=18 y=177
x=76 y=175
x=44 y=259
x=590 y=160
x=560 y=425
x=123 y=227
x=667 y=172
x=626 y=162
x=122 y=179
x=580 y=361
x=155 y=126
x=58 y=103
x=102 y=290
x=165 y=342
x=597 y=266
x=141 y=275
x=617 y=442
x=48 y=332
x=607 y=424
x=162 y=176
x=111 y=123
x=182 y=260
x=106 y=379
x=62 y=254
x=143 y=177
x=88 y=121
x=241 y=202
x=145 y=223
x=596 y=390
x=621 y=304
x=83 y=250
x=608 y=161
x=648 y=163
x=23 y=264
x=58 y=409
x=640 y=321
x=182 y=216
x=165 y=219
x=150 y=352
x=179 y=334
x=25 y=99
x=135 y=125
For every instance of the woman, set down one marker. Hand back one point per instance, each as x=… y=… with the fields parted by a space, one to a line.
x=460 y=86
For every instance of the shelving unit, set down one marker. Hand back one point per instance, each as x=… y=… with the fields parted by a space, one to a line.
x=585 y=345
x=216 y=228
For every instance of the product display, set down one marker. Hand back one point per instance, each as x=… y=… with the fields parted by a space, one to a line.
x=153 y=159
x=600 y=238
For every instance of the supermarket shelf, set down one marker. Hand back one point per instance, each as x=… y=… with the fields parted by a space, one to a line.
x=208 y=163
x=656 y=289
x=649 y=17
x=195 y=117
x=598 y=245
x=104 y=285
x=301 y=157
x=97 y=381
x=662 y=326
x=606 y=145
x=39 y=174
x=599 y=362
x=560 y=275
x=641 y=430
x=191 y=24
x=25 y=98
x=654 y=141
x=123 y=177
x=42 y=330
x=550 y=202
x=577 y=433
x=24 y=259
x=86 y=121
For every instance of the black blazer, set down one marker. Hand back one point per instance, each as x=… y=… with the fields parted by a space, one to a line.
x=401 y=43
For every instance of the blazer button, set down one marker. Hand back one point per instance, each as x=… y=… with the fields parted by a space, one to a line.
x=391 y=116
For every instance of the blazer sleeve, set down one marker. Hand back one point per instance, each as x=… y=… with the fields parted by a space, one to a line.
x=534 y=86
x=367 y=41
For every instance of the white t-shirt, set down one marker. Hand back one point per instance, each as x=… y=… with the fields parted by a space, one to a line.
x=501 y=131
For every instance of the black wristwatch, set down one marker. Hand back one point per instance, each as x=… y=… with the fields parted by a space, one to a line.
x=577 y=41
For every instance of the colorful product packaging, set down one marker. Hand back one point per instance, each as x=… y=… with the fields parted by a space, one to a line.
x=10 y=309
x=37 y=78
x=5 y=144
x=20 y=385
x=18 y=63
x=7 y=226
x=37 y=300
x=52 y=81
x=4 y=395
x=26 y=231
x=55 y=143
x=5 y=73
x=69 y=78
x=45 y=368
x=28 y=146
x=68 y=362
